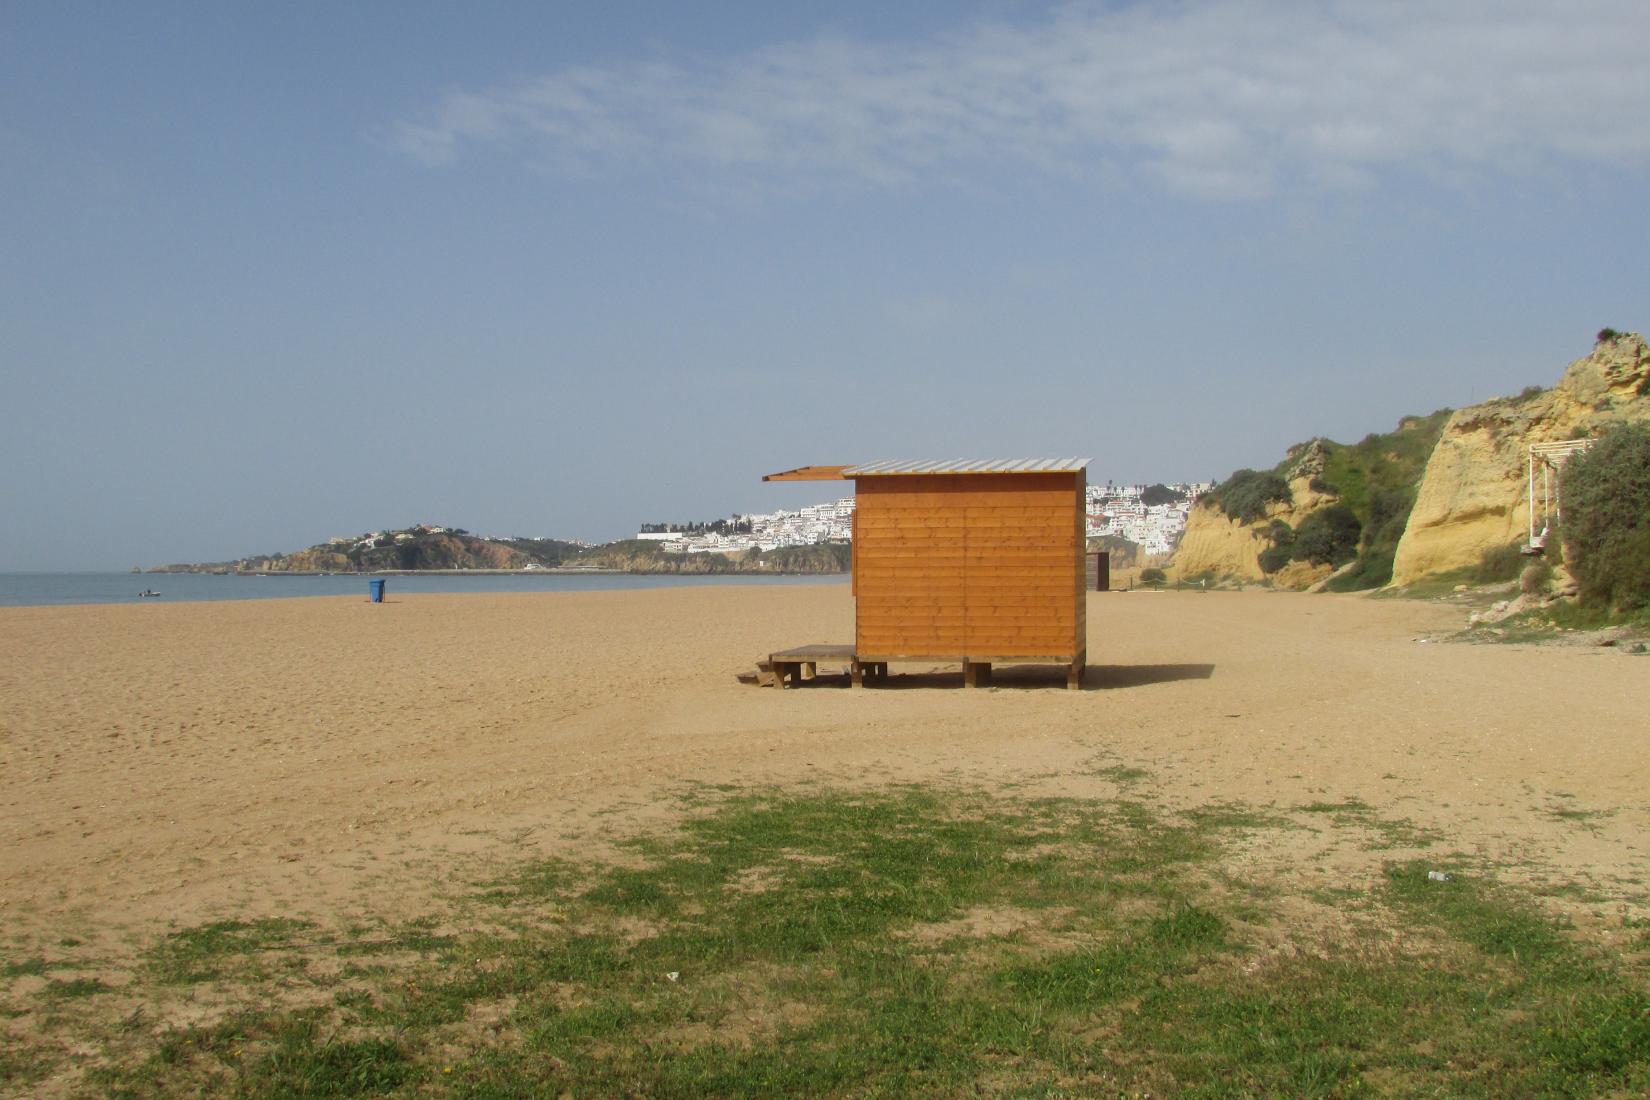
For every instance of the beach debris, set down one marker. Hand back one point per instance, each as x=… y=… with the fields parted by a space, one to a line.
x=673 y=975
x=1440 y=876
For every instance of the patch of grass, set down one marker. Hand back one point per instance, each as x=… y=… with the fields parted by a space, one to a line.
x=18 y=968
x=1231 y=817
x=414 y=938
x=1392 y=832
x=1077 y=981
x=540 y=879
x=20 y=1067
x=1122 y=774
x=77 y=987
x=1490 y=920
x=916 y=942
x=1571 y=615
x=1347 y=806
x=1580 y=816
x=200 y=954
x=276 y=1056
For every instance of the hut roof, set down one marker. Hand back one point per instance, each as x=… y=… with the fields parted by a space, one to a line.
x=898 y=468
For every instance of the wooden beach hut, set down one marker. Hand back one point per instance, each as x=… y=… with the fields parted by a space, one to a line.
x=977 y=562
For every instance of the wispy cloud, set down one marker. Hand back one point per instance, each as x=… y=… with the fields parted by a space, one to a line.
x=1214 y=99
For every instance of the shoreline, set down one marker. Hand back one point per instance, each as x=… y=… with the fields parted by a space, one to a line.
x=547 y=571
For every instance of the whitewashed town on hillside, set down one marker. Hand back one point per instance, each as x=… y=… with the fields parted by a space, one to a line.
x=1151 y=516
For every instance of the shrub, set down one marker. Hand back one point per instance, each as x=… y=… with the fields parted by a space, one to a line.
x=1607 y=519
x=1274 y=558
x=1535 y=577
x=1153 y=578
x=1608 y=336
x=1245 y=495
x=1499 y=563
x=1328 y=536
x=1161 y=494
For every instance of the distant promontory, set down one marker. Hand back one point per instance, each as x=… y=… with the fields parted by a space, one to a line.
x=430 y=547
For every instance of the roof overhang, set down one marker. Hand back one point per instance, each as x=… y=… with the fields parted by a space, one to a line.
x=809 y=473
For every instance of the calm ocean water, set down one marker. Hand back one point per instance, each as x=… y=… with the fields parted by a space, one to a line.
x=23 y=589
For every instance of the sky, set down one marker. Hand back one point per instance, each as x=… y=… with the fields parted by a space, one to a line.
x=271 y=273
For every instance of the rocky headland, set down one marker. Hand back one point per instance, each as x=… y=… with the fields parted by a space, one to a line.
x=1433 y=496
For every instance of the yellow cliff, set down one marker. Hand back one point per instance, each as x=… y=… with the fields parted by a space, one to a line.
x=1473 y=496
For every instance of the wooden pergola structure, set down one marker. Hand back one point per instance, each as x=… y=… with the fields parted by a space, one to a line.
x=977 y=562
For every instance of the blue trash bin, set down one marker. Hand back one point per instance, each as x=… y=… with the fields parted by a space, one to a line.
x=377 y=586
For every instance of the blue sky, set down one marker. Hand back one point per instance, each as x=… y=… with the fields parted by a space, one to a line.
x=270 y=273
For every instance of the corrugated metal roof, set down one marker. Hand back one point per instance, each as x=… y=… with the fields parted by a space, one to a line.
x=970 y=466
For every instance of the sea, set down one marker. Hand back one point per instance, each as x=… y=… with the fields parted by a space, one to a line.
x=35 y=589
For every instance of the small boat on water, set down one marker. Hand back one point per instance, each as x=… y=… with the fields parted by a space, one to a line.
x=148 y=593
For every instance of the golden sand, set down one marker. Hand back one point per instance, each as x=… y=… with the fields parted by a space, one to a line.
x=166 y=765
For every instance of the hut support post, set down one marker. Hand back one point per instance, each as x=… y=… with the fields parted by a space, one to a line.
x=1074 y=675
x=976 y=673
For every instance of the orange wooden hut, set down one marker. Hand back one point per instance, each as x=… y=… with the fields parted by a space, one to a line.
x=974 y=562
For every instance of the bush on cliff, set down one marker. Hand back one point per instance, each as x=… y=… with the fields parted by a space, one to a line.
x=1328 y=536
x=1607 y=519
x=1278 y=555
x=1245 y=495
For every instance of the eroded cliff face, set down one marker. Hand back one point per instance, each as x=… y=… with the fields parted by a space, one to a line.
x=1213 y=542
x=1474 y=495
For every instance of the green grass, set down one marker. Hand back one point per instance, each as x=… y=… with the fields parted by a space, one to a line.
x=19 y=967
x=1387 y=832
x=211 y=951
x=911 y=942
x=1122 y=774
x=1544 y=624
x=77 y=987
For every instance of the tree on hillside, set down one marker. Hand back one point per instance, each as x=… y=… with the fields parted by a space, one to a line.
x=1607 y=519
x=1160 y=494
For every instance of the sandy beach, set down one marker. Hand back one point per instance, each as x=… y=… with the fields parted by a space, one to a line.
x=162 y=765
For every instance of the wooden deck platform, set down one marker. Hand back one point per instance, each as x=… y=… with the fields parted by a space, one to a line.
x=789 y=667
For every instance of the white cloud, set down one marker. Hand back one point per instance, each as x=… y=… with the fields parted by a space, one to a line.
x=1214 y=99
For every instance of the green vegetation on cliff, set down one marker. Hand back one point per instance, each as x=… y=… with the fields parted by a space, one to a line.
x=1377 y=478
x=1373 y=483
x=1246 y=495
